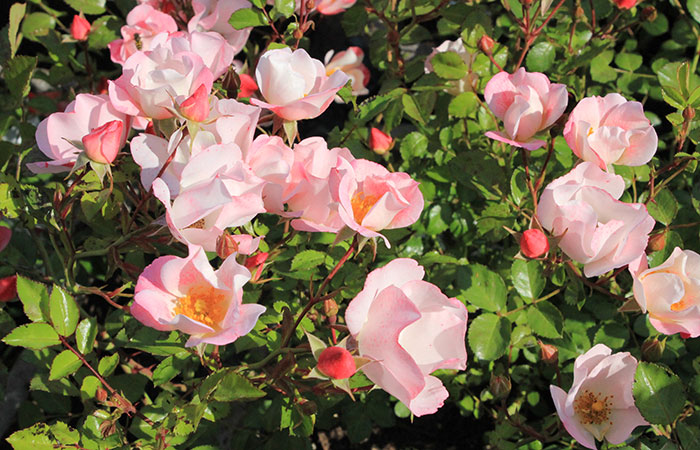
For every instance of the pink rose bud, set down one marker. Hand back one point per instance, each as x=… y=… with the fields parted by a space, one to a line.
x=196 y=107
x=248 y=86
x=256 y=261
x=486 y=44
x=8 y=288
x=103 y=143
x=379 y=141
x=549 y=353
x=625 y=4
x=79 y=28
x=336 y=362
x=657 y=242
x=533 y=243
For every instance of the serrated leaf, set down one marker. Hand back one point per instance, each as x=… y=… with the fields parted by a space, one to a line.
x=87 y=6
x=35 y=437
x=103 y=31
x=247 y=17
x=64 y=434
x=17 y=11
x=410 y=107
x=37 y=24
x=85 y=335
x=541 y=57
x=63 y=311
x=413 y=145
x=628 y=61
x=17 y=74
x=658 y=393
x=308 y=259
x=489 y=336
x=527 y=278
x=545 y=320
x=234 y=387
x=463 y=105
x=663 y=207
x=449 y=65
x=483 y=288
x=65 y=363
x=34 y=297
x=34 y=336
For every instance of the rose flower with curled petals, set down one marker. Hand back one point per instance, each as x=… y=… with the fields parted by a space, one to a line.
x=187 y=294
x=408 y=328
x=599 y=404
x=527 y=103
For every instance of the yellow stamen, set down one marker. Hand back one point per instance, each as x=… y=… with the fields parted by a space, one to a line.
x=592 y=408
x=684 y=303
x=590 y=131
x=361 y=205
x=205 y=304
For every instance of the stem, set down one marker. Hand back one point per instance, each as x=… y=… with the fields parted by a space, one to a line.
x=592 y=285
x=528 y=180
x=541 y=299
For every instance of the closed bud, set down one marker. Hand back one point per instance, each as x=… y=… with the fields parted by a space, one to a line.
x=226 y=245
x=298 y=34
x=103 y=143
x=79 y=28
x=379 y=141
x=8 y=288
x=330 y=307
x=100 y=395
x=579 y=12
x=196 y=107
x=337 y=363
x=499 y=386
x=549 y=353
x=486 y=44
x=533 y=243
x=256 y=261
x=657 y=242
x=648 y=13
x=653 y=349
x=689 y=113
x=248 y=86
x=310 y=4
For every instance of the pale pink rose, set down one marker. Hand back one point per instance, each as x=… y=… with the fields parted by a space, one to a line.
x=217 y=190
x=331 y=7
x=187 y=294
x=670 y=292
x=470 y=80
x=142 y=23
x=295 y=86
x=104 y=142
x=371 y=199
x=58 y=134
x=271 y=160
x=595 y=228
x=409 y=329
x=153 y=80
x=527 y=103
x=350 y=62
x=215 y=52
x=232 y=122
x=610 y=130
x=196 y=107
x=213 y=15
x=307 y=192
x=599 y=404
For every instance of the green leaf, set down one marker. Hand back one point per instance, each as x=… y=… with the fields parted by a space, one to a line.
x=285 y=8
x=103 y=31
x=694 y=9
x=17 y=11
x=247 y=17
x=613 y=335
x=628 y=61
x=541 y=57
x=658 y=393
x=234 y=387
x=87 y=6
x=689 y=435
x=464 y=105
x=663 y=207
x=411 y=109
x=308 y=259
x=168 y=369
x=34 y=297
x=413 y=145
x=85 y=335
x=449 y=65
x=34 y=336
x=37 y=24
x=489 y=336
x=545 y=320
x=89 y=387
x=65 y=363
x=35 y=437
x=17 y=74
x=527 y=278
x=64 y=434
x=108 y=364
x=484 y=289
x=63 y=311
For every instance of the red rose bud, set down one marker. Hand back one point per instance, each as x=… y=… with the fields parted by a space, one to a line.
x=248 y=86
x=8 y=288
x=256 y=261
x=196 y=107
x=379 y=141
x=103 y=143
x=486 y=44
x=685 y=335
x=533 y=243
x=79 y=28
x=625 y=4
x=336 y=362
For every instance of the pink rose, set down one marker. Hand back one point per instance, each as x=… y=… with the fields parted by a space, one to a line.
x=408 y=328
x=372 y=199
x=151 y=153
x=331 y=7
x=595 y=228
x=215 y=52
x=610 y=130
x=527 y=103
x=295 y=86
x=187 y=294
x=350 y=62
x=142 y=23
x=58 y=134
x=196 y=107
x=470 y=80
x=271 y=160
x=232 y=122
x=103 y=143
x=213 y=15
x=670 y=292
x=599 y=404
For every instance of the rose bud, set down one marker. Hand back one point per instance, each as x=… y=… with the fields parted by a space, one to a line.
x=625 y=4
x=500 y=386
x=248 y=86
x=256 y=261
x=196 y=107
x=8 y=288
x=379 y=141
x=79 y=28
x=533 y=243
x=103 y=143
x=336 y=362
x=548 y=353
x=486 y=44
x=653 y=349
x=657 y=242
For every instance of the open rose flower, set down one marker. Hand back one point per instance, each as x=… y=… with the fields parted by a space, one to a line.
x=350 y=62
x=331 y=7
x=527 y=103
x=409 y=329
x=187 y=294
x=670 y=292
x=372 y=199
x=610 y=130
x=470 y=80
x=213 y=15
x=596 y=229
x=142 y=23
x=295 y=86
x=59 y=135
x=599 y=404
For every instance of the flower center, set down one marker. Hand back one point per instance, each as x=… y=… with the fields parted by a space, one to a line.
x=205 y=304
x=590 y=131
x=592 y=408
x=682 y=304
x=200 y=224
x=361 y=204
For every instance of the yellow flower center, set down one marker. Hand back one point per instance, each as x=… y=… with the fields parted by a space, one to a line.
x=592 y=408
x=684 y=303
x=330 y=72
x=361 y=204
x=590 y=131
x=203 y=303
